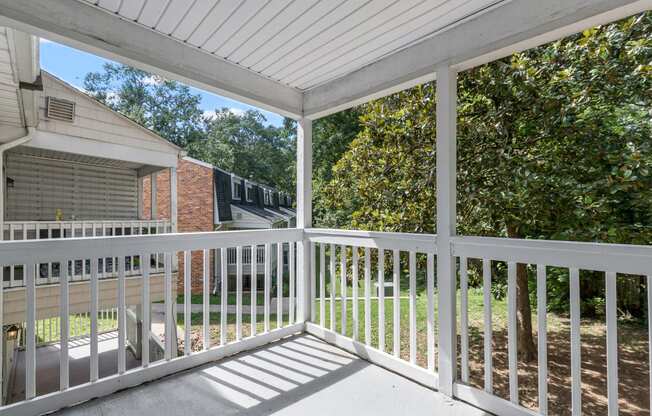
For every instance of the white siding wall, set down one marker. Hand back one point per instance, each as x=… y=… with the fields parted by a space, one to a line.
x=95 y=121
x=41 y=186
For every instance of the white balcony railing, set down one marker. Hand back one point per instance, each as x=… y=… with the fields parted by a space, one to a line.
x=350 y=248
x=79 y=269
x=344 y=309
x=195 y=350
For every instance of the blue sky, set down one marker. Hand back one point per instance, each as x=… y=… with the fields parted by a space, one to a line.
x=72 y=65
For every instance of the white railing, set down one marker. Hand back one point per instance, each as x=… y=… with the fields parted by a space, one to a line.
x=246 y=256
x=80 y=270
x=232 y=338
x=612 y=260
x=363 y=256
x=356 y=251
x=344 y=309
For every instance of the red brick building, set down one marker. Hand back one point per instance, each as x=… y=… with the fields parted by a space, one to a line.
x=209 y=199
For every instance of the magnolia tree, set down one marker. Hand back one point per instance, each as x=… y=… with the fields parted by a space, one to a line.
x=553 y=143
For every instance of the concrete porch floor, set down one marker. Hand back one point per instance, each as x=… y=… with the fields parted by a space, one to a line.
x=300 y=375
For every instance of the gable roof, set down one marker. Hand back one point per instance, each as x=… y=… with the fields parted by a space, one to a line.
x=115 y=115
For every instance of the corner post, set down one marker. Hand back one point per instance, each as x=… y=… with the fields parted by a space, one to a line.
x=446 y=223
x=173 y=199
x=304 y=216
x=153 y=212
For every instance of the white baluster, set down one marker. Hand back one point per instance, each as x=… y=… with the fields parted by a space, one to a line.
x=254 y=289
x=367 y=296
x=512 y=349
x=542 y=336
x=187 y=301
x=397 y=302
x=332 y=288
x=146 y=324
x=430 y=293
x=224 y=307
x=343 y=288
x=30 y=353
x=355 y=311
x=576 y=359
x=322 y=284
x=488 y=333
x=279 y=285
x=464 y=318
x=206 y=299
x=381 y=299
x=94 y=367
x=238 y=295
x=122 y=316
x=413 y=307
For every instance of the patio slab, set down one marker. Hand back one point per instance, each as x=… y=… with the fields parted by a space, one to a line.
x=300 y=375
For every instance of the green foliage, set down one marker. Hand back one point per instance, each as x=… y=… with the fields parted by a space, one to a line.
x=165 y=107
x=241 y=143
x=553 y=143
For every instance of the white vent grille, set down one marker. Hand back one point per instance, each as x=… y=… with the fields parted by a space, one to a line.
x=59 y=109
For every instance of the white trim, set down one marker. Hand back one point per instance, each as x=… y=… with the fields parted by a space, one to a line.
x=201 y=163
x=489 y=402
x=421 y=243
x=89 y=147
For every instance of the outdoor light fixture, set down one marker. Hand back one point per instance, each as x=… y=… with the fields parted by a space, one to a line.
x=12 y=333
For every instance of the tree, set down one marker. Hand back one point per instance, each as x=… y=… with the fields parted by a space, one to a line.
x=244 y=145
x=331 y=137
x=553 y=143
x=241 y=143
x=166 y=107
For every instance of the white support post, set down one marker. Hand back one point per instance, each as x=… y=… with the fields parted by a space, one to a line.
x=173 y=199
x=140 y=198
x=153 y=214
x=304 y=216
x=446 y=223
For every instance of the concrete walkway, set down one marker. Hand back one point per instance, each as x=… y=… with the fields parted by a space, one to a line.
x=297 y=376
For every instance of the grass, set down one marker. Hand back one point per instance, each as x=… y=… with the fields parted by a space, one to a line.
x=48 y=330
x=198 y=299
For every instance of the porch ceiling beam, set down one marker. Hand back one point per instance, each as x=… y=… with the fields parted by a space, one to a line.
x=86 y=27
x=507 y=28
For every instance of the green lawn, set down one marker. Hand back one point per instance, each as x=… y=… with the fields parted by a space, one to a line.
x=47 y=330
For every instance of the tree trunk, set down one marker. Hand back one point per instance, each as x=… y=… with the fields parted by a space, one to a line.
x=526 y=347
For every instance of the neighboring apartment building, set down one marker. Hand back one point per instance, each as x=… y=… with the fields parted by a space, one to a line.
x=211 y=199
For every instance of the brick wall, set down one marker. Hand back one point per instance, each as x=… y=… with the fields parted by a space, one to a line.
x=194 y=209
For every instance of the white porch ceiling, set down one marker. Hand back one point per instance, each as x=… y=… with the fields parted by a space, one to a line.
x=307 y=57
x=299 y=43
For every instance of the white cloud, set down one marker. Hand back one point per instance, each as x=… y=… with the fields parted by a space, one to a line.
x=153 y=80
x=43 y=40
x=210 y=114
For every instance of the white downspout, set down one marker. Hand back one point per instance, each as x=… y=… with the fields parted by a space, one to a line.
x=3 y=148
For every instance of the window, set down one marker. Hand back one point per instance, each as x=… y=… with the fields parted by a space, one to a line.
x=267 y=202
x=236 y=191
x=249 y=193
